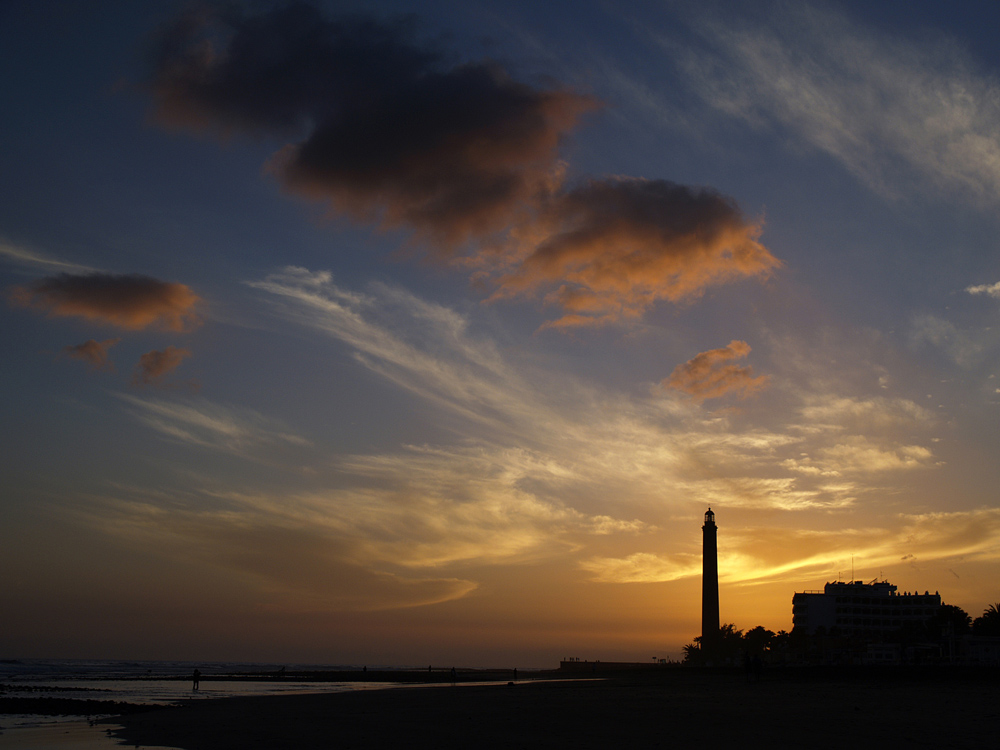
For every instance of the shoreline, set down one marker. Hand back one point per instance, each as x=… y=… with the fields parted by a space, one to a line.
x=71 y=735
x=682 y=708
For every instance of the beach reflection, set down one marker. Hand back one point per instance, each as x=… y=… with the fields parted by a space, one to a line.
x=62 y=735
x=162 y=692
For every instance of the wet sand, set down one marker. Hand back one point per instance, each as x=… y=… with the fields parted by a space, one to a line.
x=676 y=709
x=65 y=735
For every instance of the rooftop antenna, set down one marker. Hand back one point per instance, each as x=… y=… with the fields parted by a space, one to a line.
x=852 y=568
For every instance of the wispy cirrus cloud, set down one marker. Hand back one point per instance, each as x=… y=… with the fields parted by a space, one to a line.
x=753 y=555
x=861 y=455
x=853 y=436
x=451 y=369
x=642 y=567
x=28 y=257
x=360 y=545
x=548 y=473
x=289 y=549
x=627 y=443
x=878 y=415
x=207 y=425
x=885 y=107
x=758 y=554
x=479 y=503
x=958 y=344
x=782 y=492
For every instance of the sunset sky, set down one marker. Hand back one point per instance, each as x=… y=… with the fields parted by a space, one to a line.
x=426 y=332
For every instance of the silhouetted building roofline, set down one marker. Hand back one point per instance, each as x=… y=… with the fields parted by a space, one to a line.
x=856 y=607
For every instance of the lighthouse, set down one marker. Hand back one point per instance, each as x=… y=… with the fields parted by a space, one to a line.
x=709 y=584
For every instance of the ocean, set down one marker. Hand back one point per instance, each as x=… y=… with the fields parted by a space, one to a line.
x=138 y=682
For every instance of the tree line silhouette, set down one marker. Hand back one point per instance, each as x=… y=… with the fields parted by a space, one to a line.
x=732 y=645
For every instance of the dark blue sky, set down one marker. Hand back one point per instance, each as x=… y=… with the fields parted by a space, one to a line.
x=448 y=366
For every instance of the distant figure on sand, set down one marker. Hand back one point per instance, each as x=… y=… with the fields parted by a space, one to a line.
x=196 y=678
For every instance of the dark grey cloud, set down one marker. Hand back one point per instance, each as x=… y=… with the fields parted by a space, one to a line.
x=92 y=352
x=129 y=301
x=384 y=128
x=155 y=365
x=391 y=133
x=224 y=69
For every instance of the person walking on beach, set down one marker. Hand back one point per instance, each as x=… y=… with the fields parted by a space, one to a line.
x=196 y=678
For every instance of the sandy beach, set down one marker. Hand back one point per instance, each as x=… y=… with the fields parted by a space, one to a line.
x=677 y=708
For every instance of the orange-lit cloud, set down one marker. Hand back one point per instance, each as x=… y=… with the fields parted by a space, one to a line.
x=852 y=436
x=818 y=461
x=94 y=353
x=758 y=554
x=394 y=136
x=777 y=493
x=580 y=485
x=128 y=301
x=765 y=552
x=706 y=376
x=877 y=415
x=860 y=454
x=610 y=248
x=154 y=365
x=642 y=567
x=464 y=157
x=296 y=564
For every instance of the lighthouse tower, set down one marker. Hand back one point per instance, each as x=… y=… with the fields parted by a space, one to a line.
x=709 y=584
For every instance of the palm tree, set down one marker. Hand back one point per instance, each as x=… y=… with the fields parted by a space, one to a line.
x=692 y=653
x=989 y=622
x=758 y=640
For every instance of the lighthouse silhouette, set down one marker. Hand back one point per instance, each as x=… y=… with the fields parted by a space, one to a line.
x=709 y=585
